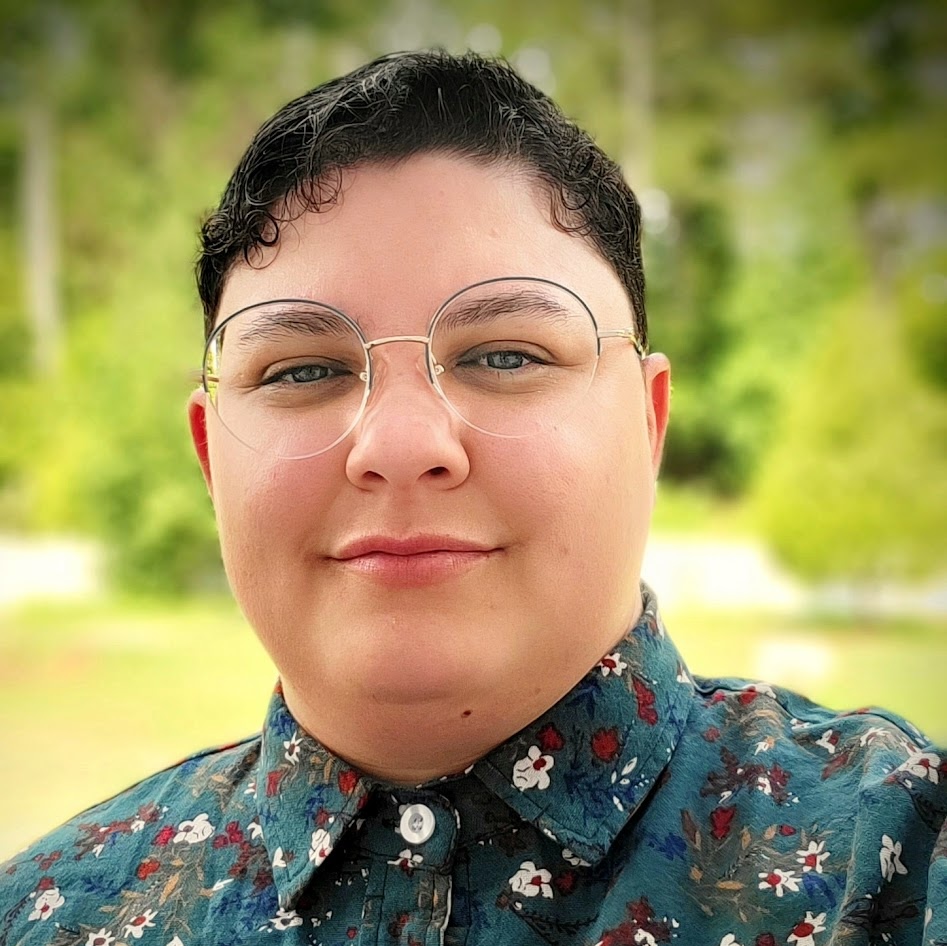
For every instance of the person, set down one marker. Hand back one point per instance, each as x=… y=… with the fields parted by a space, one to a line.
x=431 y=430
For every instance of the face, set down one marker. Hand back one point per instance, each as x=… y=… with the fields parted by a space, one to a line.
x=557 y=522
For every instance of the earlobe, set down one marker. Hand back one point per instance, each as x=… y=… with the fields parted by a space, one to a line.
x=197 y=419
x=657 y=373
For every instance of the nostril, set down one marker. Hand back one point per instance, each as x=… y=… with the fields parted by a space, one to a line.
x=438 y=471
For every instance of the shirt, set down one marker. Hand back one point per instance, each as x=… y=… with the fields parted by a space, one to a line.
x=647 y=806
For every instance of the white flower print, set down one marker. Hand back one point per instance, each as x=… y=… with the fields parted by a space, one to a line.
x=175 y=942
x=285 y=919
x=531 y=881
x=407 y=861
x=612 y=663
x=764 y=785
x=644 y=938
x=46 y=903
x=321 y=846
x=812 y=857
x=729 y=940
x=869 y=735
x=827 y=741
x=292 y=746
x=195 y=830
x=574 y=859
x=138 y=924
x=803 y=932
x=533 y=771
x=779 y=881
x=137 y=825
x=102 y=938
x=255 y=829
x=890 y=857
x=278 y=859
x=764 y=745
x=924 y=765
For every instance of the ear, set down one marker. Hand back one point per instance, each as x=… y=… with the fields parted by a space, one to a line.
x=197 y=419
x=657 y=378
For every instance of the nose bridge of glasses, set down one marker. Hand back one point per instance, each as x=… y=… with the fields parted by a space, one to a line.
x=381 y=367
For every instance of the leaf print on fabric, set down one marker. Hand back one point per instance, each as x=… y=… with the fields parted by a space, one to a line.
x=138 y=924
x=533 y=770
x=890 y=858
x=721 y=818
x=828 y=740
x=195 y=830
x=407 y=861
x=803 y=932
x=641 y=927
x=532 y=881
x=320 y=847
x=813 y=857
x=574 y=859
x=47 y=903
x=779 y=881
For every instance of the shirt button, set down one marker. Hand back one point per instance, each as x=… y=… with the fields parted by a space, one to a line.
x=417 y=824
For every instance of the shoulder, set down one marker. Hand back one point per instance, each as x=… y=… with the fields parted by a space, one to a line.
x=61 y=878
x=846 y=807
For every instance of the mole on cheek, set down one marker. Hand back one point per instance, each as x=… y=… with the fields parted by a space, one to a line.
x=466 y=713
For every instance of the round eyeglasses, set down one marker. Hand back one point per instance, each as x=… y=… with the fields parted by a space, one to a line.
x=511 y=357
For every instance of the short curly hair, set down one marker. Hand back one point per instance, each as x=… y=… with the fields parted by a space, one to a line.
x=407 y=104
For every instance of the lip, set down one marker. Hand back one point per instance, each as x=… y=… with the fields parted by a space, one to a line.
x=415 y=561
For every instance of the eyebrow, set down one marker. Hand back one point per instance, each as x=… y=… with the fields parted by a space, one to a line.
x=293 y=319
x=463 y=312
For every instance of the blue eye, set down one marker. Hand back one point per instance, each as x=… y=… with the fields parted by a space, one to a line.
x=502 y=360
x=304 y=374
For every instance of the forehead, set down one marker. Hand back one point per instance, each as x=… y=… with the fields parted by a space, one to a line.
x=401 y=239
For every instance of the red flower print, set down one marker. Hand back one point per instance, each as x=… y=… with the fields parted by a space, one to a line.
x=347 y=781
x=273 y=780
x=46 y=861
x=718 y=697
x=605 y=744
x=165 y=835
x=147 y=867
x=234 y=832
x=645 y=695
x=720 y=821
x=787 y=830
x=219 y=842
x=765 y=939
x=803 y=929
x=351 y=933
x=550 y=739
x=45 y=883
x=748 y=696
x=712 y=734
x=322 y=818
x=565 y=883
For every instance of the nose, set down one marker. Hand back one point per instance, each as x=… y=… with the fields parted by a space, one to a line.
x=407 y=436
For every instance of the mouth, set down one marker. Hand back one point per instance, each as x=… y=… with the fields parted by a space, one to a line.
x=413 y=562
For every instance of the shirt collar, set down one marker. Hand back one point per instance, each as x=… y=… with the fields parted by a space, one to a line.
x=578 y=773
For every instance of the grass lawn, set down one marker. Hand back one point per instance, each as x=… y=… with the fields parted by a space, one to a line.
x=96 y=697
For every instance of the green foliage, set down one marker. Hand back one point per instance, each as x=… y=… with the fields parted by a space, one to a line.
x=854 y=487
x=798 y=153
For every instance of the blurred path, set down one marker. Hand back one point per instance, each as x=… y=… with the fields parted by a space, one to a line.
x=686 y=571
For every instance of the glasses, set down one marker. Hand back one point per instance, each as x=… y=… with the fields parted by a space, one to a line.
x=511 y=357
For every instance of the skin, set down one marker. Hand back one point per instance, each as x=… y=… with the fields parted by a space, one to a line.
x=412 y=683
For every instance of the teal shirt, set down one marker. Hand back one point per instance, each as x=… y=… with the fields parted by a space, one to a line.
x=648 y=806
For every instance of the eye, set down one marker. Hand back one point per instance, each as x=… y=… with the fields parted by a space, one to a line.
x=305 y=374
x=501 y=360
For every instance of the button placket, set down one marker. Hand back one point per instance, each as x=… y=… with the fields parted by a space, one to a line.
x=417 y=824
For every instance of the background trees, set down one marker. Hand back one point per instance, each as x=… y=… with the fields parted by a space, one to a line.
x=789 y=164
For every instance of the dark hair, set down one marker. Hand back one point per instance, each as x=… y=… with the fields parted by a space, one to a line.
x=407 y=104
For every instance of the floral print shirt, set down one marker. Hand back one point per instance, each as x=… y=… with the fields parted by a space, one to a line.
x=648 y=806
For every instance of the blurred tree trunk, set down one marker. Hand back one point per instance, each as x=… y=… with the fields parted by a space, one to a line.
x=38 y=203
x=635 y=36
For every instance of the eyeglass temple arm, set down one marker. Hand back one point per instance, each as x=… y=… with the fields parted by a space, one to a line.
x=628 y=333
